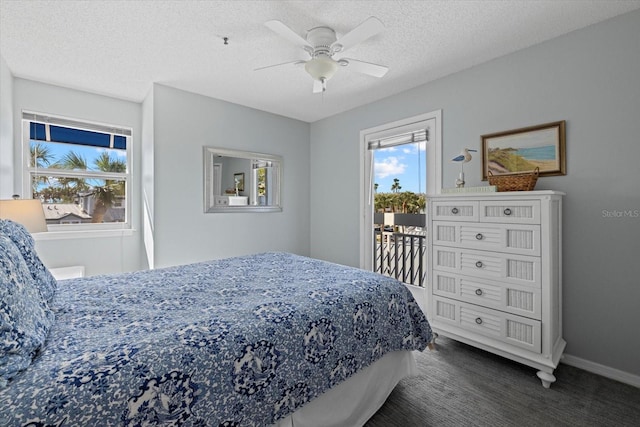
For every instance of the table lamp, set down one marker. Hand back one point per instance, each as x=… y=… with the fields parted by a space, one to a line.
x=27 y=212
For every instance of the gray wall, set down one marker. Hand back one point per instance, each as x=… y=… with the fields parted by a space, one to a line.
x=591 y=79
x=169 y=130
x=185 y=122
x=147 y=174
x=6 y=131
x=103 y=255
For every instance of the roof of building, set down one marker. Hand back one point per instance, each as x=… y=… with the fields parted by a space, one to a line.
x=53 y=211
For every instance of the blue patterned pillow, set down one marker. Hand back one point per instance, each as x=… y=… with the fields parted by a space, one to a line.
x=24 y=241
x=25 y=317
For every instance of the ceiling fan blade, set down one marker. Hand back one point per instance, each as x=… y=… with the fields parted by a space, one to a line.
x=318 y=87
x=374 y=70
x=286 y=32
x=369 y=28
x=298 y=62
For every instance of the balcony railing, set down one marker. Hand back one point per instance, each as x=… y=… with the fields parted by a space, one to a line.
x=401 y=253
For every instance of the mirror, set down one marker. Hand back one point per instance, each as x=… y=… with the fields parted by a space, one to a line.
x=241 y=181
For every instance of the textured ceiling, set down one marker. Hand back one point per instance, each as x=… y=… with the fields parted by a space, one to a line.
x=119 y=48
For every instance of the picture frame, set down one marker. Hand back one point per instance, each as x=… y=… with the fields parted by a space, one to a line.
x=239 y=178
x=522 y=150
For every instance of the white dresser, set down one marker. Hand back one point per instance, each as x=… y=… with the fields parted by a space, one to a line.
x=495 y=274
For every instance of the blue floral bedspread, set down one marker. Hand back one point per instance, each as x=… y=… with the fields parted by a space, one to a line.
x=235 y=342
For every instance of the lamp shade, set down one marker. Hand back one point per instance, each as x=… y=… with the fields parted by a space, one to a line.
x=321 y=67
x=27 y=212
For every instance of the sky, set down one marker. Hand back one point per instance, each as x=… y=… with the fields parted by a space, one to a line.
x=405 y=162
x=58 y=151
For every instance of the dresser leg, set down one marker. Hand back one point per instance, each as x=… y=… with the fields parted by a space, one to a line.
x=546 y=378
x=432 y=344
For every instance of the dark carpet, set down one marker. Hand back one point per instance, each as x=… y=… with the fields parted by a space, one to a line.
x=460 y=385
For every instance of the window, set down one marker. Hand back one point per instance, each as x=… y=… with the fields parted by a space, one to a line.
x=424 y=126
x=80 y=171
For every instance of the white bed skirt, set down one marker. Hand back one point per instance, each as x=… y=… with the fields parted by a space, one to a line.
x=353 y=402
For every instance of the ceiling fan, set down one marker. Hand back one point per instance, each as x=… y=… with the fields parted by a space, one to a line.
x=322 y=44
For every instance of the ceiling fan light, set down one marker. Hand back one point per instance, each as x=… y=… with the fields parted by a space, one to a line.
x=321 y=67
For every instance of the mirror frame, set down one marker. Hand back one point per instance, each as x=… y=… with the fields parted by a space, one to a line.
x=209 y=156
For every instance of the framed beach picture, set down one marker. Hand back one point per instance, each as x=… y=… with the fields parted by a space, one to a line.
x=522 y=150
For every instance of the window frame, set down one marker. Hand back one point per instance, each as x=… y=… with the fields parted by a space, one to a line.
x=28 y=171
x=433 y=165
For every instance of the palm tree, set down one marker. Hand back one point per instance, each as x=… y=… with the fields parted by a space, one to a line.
x=108 y=193
x=71 y=187
x=106 y=163
x=104 y=195
x=382 y=201
x=40 y=157
x=420 y=203
x=262 y=181
x=395 y=187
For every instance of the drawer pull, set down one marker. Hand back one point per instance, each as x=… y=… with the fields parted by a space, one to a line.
x=479 y=236
x=479 y=264
x=455 y=211
x=478 y=292
x=478 y=321
x=507 y=211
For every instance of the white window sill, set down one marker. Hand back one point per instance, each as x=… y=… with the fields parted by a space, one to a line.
x=83 y=234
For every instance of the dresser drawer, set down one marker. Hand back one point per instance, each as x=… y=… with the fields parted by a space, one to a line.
x=510 y=211
x=452 y=210
x=515 y=330
x=519 y=269
x=521 y=239
x=515 y=299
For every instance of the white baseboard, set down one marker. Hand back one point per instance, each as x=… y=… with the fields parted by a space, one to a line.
x=605 y=371
x=62 y=273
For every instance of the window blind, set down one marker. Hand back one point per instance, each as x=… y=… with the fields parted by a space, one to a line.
x=57 y=129
x=419 y=135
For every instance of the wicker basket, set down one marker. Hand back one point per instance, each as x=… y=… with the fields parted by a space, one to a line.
x=518 y=182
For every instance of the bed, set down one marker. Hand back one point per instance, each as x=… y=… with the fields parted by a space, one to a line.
x=257 y=340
